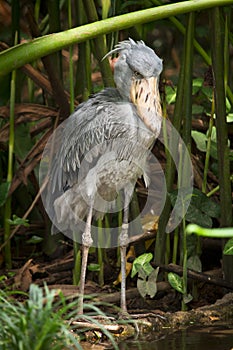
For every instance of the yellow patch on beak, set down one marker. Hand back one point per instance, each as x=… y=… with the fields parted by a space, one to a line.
x=145 y=96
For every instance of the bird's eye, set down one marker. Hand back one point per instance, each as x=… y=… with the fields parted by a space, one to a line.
x=137 y=75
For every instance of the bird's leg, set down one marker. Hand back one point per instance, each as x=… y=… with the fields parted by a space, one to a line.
x=123 y=245
x=87 y=242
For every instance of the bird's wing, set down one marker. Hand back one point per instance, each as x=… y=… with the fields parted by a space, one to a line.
x=87 y=131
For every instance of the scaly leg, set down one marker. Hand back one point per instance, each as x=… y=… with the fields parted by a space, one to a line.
x=123 y=245
x=87 y=242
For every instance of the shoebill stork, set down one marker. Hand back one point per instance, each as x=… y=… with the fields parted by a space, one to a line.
x=113 y=130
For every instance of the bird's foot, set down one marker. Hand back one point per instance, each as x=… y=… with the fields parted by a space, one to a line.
x=123 y=315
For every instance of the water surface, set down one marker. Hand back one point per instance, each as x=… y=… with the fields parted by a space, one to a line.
x=193 y=338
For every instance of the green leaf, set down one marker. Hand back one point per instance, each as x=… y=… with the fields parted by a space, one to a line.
x=197 y=85
x=197 y=109
x=94 y=267
x=208 y=92
x=141 y=261
x=147 y=285
x=194 y=263
x=170 y=94
x=196 y=216
x=4 y=189
x=187 y=298
x=141 y=274
x=228 y=249
x=230 y=118
x=200 y=210
x=34 y=240
x=152 y=283
x=200 y=140
x=18 y=221
x=141 y=285
x=176 y=282
x=148 y=269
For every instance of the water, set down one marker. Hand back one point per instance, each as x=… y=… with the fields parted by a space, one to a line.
x=193 y=338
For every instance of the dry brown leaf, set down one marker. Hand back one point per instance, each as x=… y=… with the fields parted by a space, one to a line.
x=131 y=253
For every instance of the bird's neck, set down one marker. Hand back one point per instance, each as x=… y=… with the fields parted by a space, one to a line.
x=145 y=96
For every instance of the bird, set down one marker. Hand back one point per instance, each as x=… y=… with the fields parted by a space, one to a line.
x=103 y=150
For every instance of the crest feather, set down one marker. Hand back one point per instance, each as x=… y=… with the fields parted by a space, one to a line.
x=124 y=45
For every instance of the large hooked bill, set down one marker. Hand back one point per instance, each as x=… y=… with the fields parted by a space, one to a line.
x=145 y=96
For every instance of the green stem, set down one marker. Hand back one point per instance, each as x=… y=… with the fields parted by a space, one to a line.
x=185 y=279
x=198 y=47
x=71 y=67
x=7 y=232
x=217 y=52
x=77 y=263
x=225 y=232
x=188 y=81
x=100 y=47
x=54 y=42
x=170 y=171
x=175 y=246
x=208 y=147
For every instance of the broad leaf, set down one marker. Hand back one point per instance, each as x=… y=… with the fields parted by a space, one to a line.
x=18 y=221
x=228 y=249
x=187 y=298
x=176 y=282
x=200 y=140
x=141 y=285
x=152 y=283
x=194 y=263
x=200 y=210
x=34 y=240
x=141 y=261
x=94 y=267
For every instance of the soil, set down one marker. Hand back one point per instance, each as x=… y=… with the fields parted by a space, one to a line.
x=213 y=302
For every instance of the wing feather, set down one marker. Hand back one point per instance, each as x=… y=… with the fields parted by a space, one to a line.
x=102 y=118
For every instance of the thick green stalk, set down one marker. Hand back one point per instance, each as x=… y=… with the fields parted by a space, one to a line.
x=100 y=47
x=7 y=232
x=224 y=232
x=83 y=84
x=15 y=57
x=170 y=173
x=71 y=67
x=188 y=82
x=183 y=109
x=185 y=274
x=217 y=53
x=208 y=147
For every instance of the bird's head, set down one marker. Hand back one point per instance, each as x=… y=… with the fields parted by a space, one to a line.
x=136 y=74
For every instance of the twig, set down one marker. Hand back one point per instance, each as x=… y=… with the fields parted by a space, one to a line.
x=201 y=277
x=115 y=329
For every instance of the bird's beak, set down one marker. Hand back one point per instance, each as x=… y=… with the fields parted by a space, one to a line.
x=145 y=96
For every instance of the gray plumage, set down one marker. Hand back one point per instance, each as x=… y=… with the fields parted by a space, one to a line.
x=105 y=143
x=103 y=147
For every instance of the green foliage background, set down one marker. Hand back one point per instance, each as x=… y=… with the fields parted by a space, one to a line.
x=51 y=53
